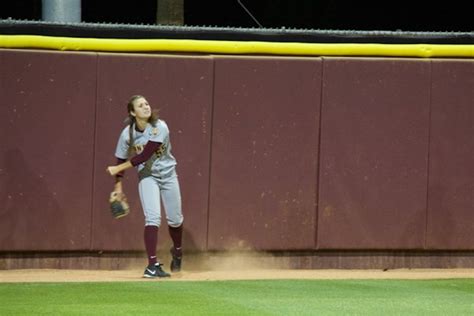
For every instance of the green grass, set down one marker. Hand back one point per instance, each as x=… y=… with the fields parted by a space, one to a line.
x=269 y=297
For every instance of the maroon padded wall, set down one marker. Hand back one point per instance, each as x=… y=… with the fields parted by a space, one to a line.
x=181 y=87
x=307 y=153
x=47 y=158
x=264 y=153
x=374 y=150
x=451 y=180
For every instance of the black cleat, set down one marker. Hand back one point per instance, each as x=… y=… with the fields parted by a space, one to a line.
x=175 y=265
x=155 y=271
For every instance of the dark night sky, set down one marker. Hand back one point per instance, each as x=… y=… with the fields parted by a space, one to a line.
x=306 y=14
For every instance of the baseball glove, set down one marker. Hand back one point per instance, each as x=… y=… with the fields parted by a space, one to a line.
x=118 y=204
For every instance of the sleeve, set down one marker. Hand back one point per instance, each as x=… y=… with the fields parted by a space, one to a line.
x=149 y=149
x=120 y=174
x=121 y=151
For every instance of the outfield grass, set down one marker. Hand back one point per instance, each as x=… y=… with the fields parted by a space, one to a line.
x=269 y=297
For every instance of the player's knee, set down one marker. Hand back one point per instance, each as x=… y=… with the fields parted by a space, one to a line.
x=176 y=222
x=152 y=220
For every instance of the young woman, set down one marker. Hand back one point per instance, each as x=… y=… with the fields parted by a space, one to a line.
x=145 y=144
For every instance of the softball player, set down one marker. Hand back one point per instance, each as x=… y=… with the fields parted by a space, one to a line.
x=146 y=142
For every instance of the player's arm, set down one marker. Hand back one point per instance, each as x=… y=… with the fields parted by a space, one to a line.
x=118 y=177
x=149 y=149
x=114 y=170
x=146 y=154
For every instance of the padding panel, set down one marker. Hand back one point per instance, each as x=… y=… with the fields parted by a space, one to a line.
x=181 y=88
x=451 y=181
x=47 y=119
x=264 y=153
x=374 y=151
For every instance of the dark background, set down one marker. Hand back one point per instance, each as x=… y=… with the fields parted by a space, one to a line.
x=453 y=16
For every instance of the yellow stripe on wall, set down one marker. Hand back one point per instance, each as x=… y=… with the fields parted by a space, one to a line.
x=234 y=47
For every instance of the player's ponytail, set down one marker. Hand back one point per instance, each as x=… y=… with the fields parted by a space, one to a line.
x=130 y=137
x=131 y=121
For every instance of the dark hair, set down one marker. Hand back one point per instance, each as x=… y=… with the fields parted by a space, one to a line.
x=131 y=120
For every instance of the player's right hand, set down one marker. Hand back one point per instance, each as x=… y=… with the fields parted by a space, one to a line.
x=112 y=170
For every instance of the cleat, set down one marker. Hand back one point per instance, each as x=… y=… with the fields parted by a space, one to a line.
x=175 y=265
x=161 y=272
x=155 y=271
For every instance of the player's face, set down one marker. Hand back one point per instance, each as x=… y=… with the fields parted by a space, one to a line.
x=141 y=109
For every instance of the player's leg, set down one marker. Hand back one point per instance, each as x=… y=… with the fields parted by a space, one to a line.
x=149 y=191
x=171 y=195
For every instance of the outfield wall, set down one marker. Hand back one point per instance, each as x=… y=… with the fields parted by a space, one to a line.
x=274 y=153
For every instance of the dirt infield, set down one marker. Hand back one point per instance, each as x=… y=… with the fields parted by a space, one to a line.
x=228 y=266
x=49 y=275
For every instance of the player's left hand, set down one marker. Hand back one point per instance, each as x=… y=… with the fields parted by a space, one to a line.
x=118 y=204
